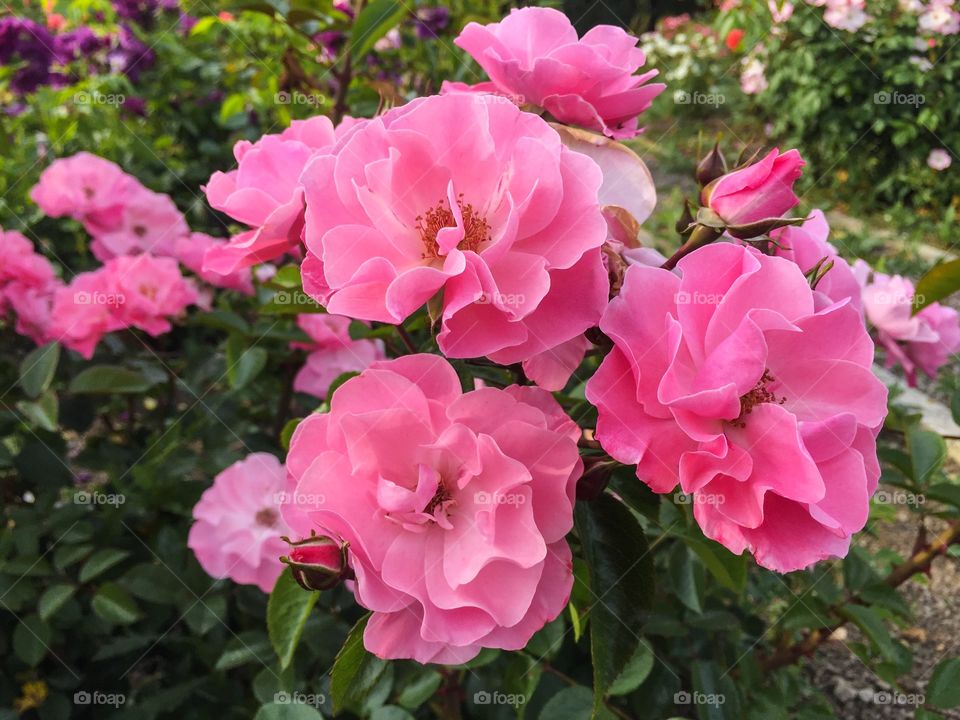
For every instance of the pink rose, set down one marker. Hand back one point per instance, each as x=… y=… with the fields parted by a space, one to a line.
x=149 y=222
x=264 y=192
x=84 y=311
x=480 y=201
x=806 y=245
x=85 y=187
x=535 y=57
x=756 y=193
x=190 y=250
x=731 y=381
x=939 y=159
x=452 y=499
x=27 y=284
x=332 y=353
x=237 y=525
x=150 y=291
x=846 y=15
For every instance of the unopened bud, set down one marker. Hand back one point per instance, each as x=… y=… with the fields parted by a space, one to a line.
x=712 y=166
x=317 y=562
x=685 y=220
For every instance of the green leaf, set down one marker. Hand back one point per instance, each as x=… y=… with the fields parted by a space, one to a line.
x=115 y=605
x=390 y=712
x=730 y=570
x=43 y=413
x=635 y=672
x=38 y=368
x=287 y=612
x=338 y=381
x=943 y=690
x=101 y=561
x=621 y=581
x=53 y=599
x=684 y=576
x=373 y=22
x=355 y=671
x=287 y=711
x=939 y=282
x=286 y=435
x=109 y=379
x=417 y=691
x=248 y=647
x=30 y=640
x=872 y=626
x=573 y=703
x=927 y=452
x=955 y=407
x=243 y=363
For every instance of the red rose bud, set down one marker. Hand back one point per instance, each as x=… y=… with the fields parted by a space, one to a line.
x=317 y=562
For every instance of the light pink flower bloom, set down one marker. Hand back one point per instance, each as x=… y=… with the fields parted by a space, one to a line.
x=534 y=55
x=237 y=524
x=190 y=250
x=332 y=352
x=264 y=192
x=84 y=311
x=85 y=187
x=757 y=192
x=552 y=368
x=19 y=262
x=939 y=159
x=476 y=199
x=939 y=17
x=926 y=339
x=846 y=15
x=780 y=13
x=27 y=284
x=731 y=381
x=753 y=77
x=149 y=222
x=152 y=290
x=452 y=499
x=806 y=245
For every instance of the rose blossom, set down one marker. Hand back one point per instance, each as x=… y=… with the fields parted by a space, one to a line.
x=27 y=284
x=332 y=352
x=237 y=525
x=476 y=199
x=939 y=17
x=753 y=77
x=939 y=159
x=534 y=55
x=190 y=250
x=447 y=500
x=732 y=381
x=84 y=311
x=756 y=193
x=149 y=222
x=806 y=245
x=84 y=187
x=846 y=15
x=264 y=192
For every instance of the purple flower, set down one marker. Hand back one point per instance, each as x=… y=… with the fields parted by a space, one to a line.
x=76 y=44
x=186 y=23
x=141 y=12
x=31 y=47
x=129 y=55
x=134 y=106
x=431 y=21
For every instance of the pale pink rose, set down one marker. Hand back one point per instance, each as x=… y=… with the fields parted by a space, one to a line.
x=534 y=55
x=27 y=284
x=85 y=187
x=758 y=192
x=264 y=192
x=939 y=17
x=552 y=368
x=456 y=509
x=939 y=159
x=806 y=245
x=151 y=290
x=753 y=77
x=19 y=262
x=476 y=199
x=846 y=15
x=730 y=381
x=32 y=306
x=149 y=223
x=926 y=339
x=780 y=13
x=190 y=250
x=237 y=525
x=84 y=311
x=332 y=352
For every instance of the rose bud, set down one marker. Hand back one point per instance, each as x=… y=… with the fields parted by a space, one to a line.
x=317 y=562
x=712 y=166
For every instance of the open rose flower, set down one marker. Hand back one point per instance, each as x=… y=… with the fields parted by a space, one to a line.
x=237 y=527
x=264 y=193
x=751 y=199
x=535 y=57
x=149 y=222
x=475 y=200
x=84 y=311
x=27 y=284
x=332 y=352
x=455 y=506
x=924 y=340
x=190 y=251
x=807 y=245
x=84 y=187
x=736 y=381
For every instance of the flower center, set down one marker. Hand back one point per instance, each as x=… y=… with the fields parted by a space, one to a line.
x=139 y=230
x=439 y=499
x=476 y=229
x=267 y=517
x=757 y=396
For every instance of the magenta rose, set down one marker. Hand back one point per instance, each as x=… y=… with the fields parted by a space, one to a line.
x=466 y=196
x=737 y=382
x=455 y=506
x=534 y=57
